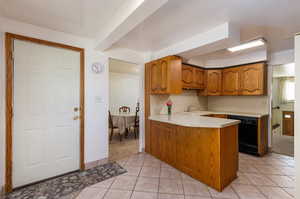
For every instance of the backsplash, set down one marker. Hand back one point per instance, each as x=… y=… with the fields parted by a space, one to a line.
x=248 y=104
x=180 y=102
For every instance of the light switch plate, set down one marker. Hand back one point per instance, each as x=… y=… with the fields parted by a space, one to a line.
x=99 y=99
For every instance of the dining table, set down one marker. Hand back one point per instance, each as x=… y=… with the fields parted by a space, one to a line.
x=123 y=121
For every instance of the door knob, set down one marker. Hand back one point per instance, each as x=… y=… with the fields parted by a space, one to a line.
x=76 y=109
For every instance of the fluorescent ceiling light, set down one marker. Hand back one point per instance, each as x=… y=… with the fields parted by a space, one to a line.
x=251 y=44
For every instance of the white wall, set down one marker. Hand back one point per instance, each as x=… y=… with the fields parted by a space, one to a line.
x=297 y=116
x=281 y=57
x=96 y=92
x=238 y=58
x=124 y=90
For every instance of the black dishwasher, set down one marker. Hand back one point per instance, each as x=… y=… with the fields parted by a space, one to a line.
x=247 y=134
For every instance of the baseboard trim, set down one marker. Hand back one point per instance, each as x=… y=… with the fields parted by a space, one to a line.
x=95 y=163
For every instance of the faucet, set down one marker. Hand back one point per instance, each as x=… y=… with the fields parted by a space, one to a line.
x=191 y=108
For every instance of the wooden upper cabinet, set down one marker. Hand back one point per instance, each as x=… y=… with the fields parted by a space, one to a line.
x=231 y=81
x=163 y=63
x=155 y=76
x=214 y=82
x=199 y=78
x=192 y=77
x=165 y=75
x=169 y=76
x=187 y=76
x=253 y=79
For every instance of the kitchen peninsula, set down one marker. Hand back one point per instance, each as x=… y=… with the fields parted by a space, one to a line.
x=205 y=148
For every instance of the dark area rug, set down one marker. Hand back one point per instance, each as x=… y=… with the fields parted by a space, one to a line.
x=67 y=185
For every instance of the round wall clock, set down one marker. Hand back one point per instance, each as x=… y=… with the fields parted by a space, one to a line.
x=97 y=67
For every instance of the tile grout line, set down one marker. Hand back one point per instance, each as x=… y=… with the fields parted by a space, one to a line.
x=137 y=178
x=109 y=187
x=235 y=191
x=159 y=179
x=288 y=192
x=257 y=187
x=181 y=178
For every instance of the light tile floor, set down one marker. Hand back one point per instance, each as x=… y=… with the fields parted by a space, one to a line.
x=126 y=148
x=268 y=177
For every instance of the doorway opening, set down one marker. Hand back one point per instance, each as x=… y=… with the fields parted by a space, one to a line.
x=124 y=109
x=283 y=98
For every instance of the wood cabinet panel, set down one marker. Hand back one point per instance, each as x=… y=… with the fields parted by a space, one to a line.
x=199 y=146
x=229 y=155
x=155 y=134
x=155 y=76
x=253 y=79
x=288 y=123
x=163 y=139
x=192 y=77
x=199 y=78
x=262 y=135
x=231 y=81
x=187 y=76
x=168 y=149
x=214 y=82
x=207 y=154
x=165 y=75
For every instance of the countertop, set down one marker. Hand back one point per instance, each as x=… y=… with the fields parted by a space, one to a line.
x=194 y=120
x=198 y=119
x=257 y=115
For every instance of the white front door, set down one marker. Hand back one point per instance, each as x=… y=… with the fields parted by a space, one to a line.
x=46 y=140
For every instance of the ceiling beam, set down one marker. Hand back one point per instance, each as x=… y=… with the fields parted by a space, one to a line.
x=130 y=14
x=217 y=38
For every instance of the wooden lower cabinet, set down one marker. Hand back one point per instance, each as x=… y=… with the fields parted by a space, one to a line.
x=209 y=155
x=162 y=142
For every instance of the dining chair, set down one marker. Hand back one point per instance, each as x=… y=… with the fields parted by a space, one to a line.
x=136 y=126
x=124 y=109
x=113 y=128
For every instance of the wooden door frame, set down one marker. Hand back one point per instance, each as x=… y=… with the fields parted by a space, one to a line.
x=9 y=38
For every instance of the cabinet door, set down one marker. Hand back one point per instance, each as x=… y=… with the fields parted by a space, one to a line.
x=198 y=78
x=163 y=69
x=187 y=76
x=288 y=123
x=168 y=144
x=155 y=75
x=188 y=150
x=231 y=82
x=214 y=82
x=155 y=142
x=253 y=79
x=163 y=142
